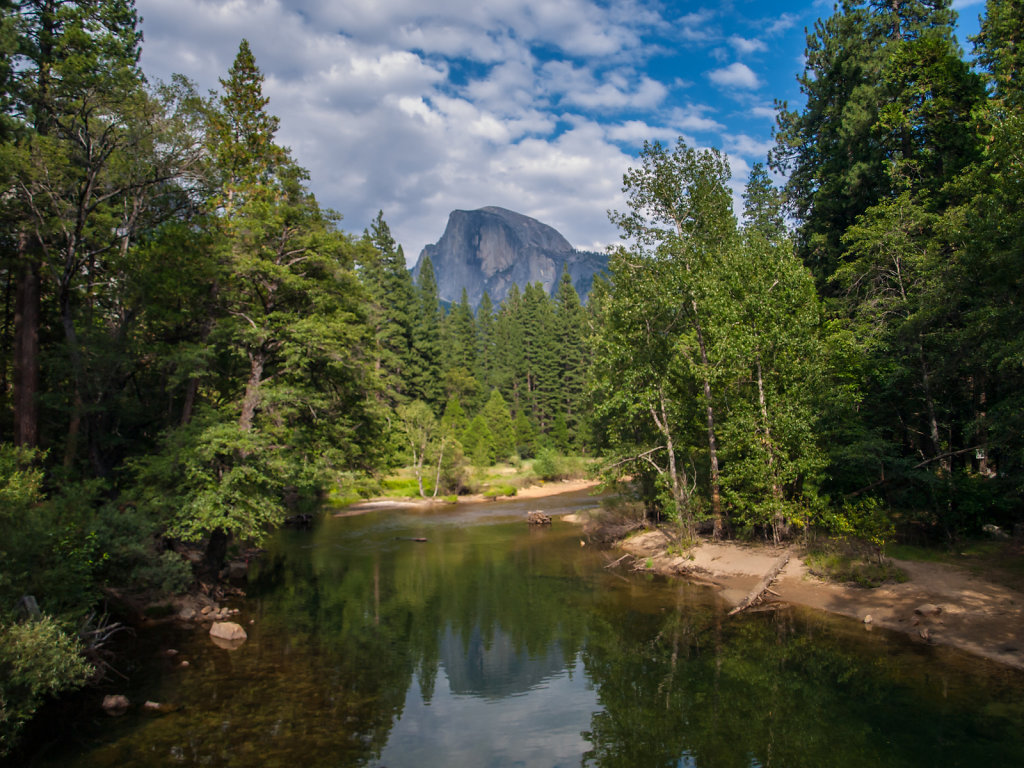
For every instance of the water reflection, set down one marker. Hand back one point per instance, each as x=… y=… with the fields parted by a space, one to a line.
x=494 y=645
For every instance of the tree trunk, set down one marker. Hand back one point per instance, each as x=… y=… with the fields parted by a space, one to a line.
x=778 y=522
x=716 y=496
x=216 y=553
x=26 y=349
x=252 y=389
x=933 y=423
x=680 y=492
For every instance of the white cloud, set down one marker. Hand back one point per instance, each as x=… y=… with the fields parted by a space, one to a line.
x=736 y=75
x=745 y=46
x=768 y=113
x=692 y=118
x=419 y=109
x=636 y=132
x=580 y=87
x=746 y=146
x=781 y=24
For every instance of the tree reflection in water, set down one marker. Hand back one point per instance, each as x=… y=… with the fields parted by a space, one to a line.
x=492 y=644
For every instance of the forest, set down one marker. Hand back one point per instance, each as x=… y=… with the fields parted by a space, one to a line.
x=191 y=349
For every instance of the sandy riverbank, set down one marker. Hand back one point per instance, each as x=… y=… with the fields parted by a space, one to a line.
x=530 y=492
x=960 y=609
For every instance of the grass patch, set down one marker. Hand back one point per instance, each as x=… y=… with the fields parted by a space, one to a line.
x=403 y=486
x=502 y=489
x=836 y=566
x=550 y=466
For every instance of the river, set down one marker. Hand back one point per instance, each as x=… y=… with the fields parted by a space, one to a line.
x=496 y=644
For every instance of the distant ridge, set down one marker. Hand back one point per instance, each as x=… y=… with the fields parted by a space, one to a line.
x=491 y=249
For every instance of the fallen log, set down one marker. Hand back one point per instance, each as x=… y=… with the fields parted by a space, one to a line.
x=758 y=592
x=616 y=562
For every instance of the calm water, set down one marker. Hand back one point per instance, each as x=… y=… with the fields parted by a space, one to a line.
x=494 y=644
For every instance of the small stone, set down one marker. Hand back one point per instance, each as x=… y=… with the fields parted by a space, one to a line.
x=924 y=633
x=115 y=704
x=184 y=665
x=152 y=706
x=187 y=614
x=171 y=653
x=206 y=609
x=868 y=619
x=928 y=609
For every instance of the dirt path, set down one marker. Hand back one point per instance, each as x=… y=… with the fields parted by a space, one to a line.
x=938 y=603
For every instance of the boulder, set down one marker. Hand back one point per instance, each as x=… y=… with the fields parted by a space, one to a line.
x=115 y=704
x=227 y=635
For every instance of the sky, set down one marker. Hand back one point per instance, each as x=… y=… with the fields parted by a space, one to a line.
x=418 y=108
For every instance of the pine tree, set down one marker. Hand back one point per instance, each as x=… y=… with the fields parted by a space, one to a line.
x=389 y=292
x=290 y=396
x=486 y=353
x=459 y=344
x=540 y=357
x=499 y=422
x=572 y=362
x=836 y=148
x=999 y=50
x=425 y=375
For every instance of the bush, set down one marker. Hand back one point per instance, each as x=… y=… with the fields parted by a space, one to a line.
x=37 y=660
x=837 y=566
x=503 y=489
x=550 y=466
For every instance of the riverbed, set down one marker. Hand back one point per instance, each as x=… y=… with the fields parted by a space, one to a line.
x=458 y=635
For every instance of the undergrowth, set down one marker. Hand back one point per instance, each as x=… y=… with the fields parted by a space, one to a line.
x=843 y=567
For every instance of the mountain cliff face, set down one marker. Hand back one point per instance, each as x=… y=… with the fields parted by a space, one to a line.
x=492 y=249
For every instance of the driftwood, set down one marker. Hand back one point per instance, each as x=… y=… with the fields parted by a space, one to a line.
x=616 y=562
x=758 y=592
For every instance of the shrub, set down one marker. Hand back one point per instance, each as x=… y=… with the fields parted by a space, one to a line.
x=37 y=660
x=503 y=489
x=551 y=466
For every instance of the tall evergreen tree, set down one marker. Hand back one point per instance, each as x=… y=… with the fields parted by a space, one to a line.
x=540 y=369
x=290 y=394
x=999 y=50
x=425 y=375
x=572 y=358
x=390 y=303
x=835 y=148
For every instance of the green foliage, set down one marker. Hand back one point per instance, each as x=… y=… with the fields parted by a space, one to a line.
x=863 y=519
x=551 y=466
x=499 y=423
x=37 y=660
x=404 y=487
x=500 y=489
x=479 y=442
x=834 y=565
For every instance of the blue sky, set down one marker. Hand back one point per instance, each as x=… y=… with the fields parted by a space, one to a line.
x=419 y=108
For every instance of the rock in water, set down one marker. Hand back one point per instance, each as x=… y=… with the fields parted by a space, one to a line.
x=536 y=517
x=227 y=635
x=491 y=249
x=115 y=704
